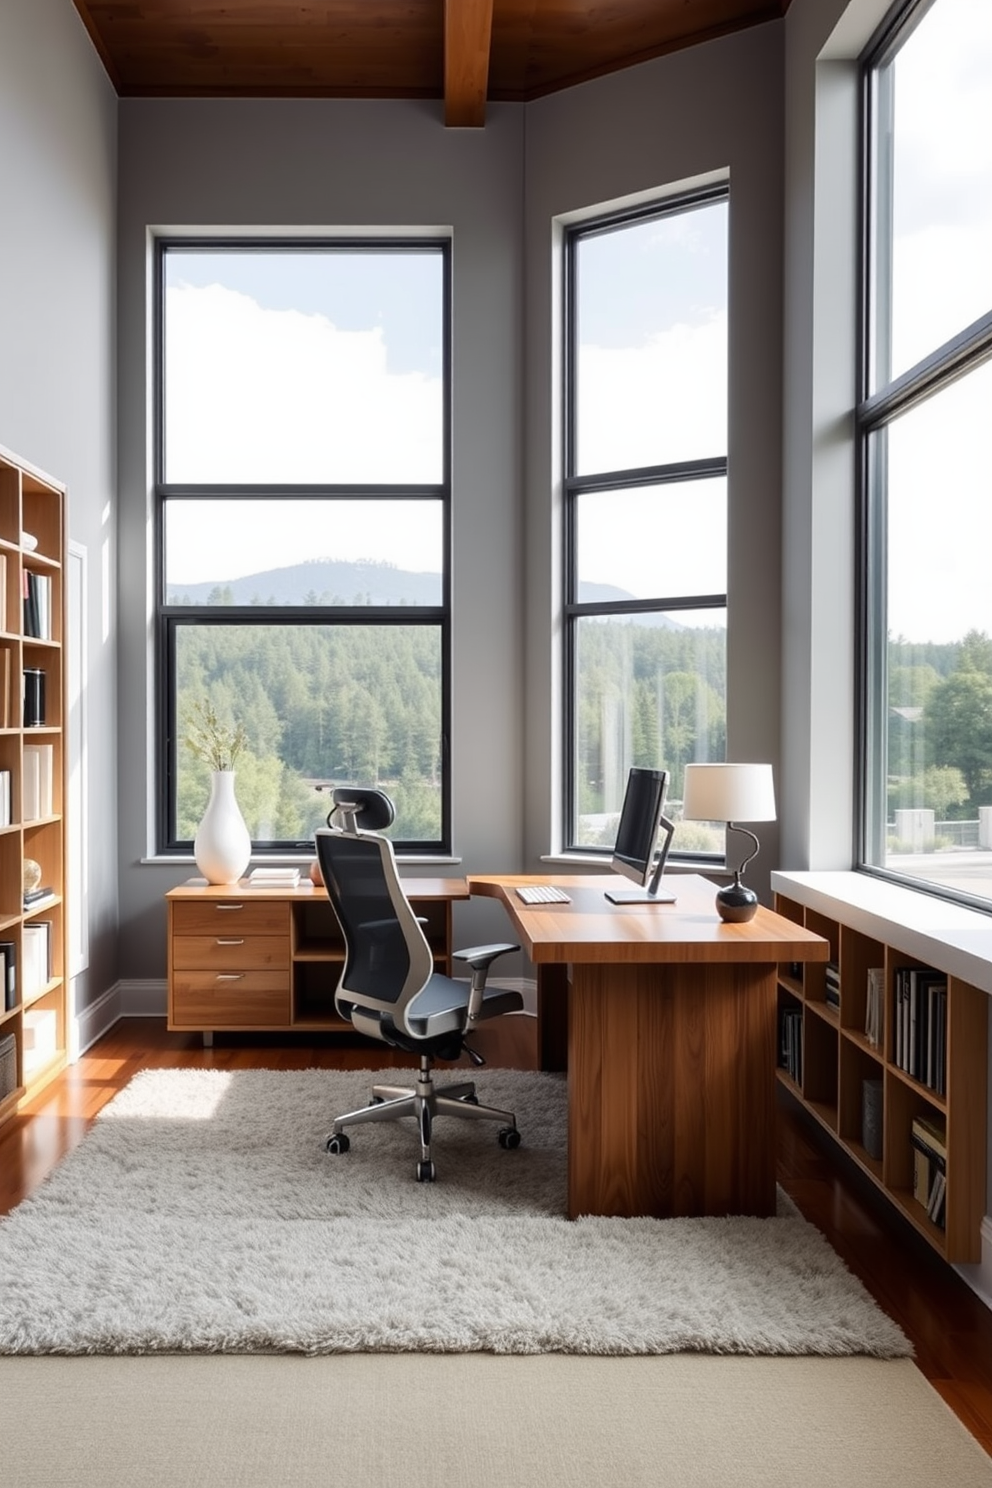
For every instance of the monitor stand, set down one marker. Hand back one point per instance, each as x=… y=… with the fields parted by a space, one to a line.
x=639 y=896
x=654 y=893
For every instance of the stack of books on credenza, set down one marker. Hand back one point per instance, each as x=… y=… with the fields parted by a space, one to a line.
x=274 y=878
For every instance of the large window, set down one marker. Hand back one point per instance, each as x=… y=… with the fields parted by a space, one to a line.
x=302 y=507
x=924 y=442
x=646 y=507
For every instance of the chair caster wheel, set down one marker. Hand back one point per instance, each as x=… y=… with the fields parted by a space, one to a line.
x=376 y=1100
x=509 y=1137
x=337 y=1143
x=426 y=1172
x=470 y=1100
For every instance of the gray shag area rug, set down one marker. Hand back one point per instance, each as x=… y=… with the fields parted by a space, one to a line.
x=202 y=1214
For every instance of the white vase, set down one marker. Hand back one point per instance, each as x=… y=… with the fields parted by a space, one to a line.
x=222 y=846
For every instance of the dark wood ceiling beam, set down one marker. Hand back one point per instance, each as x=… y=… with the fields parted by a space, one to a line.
x=468 y=26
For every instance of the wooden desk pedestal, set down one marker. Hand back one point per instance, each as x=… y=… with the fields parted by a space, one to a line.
x=671 y=1090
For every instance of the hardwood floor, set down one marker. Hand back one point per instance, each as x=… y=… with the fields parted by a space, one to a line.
x=950 y=1328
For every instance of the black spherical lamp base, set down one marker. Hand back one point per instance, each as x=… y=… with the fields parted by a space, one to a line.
x=736 y=903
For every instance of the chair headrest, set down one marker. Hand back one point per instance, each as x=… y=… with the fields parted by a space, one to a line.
x=360 y=809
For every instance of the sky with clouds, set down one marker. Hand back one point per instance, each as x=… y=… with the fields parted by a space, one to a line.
x=306 y=368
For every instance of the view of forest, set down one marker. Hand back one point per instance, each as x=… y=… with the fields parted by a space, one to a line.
x=356 y=704
x=361 y=704
x=940 y=726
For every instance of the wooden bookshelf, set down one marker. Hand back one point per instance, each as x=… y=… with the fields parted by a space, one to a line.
x=33 y=1006
x=871 y=924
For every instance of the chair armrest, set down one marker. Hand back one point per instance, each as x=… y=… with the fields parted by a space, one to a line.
x=480 y=958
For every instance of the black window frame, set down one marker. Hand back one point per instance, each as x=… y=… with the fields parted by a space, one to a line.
x=574 y=486
x=879 y=403
x=170 y=618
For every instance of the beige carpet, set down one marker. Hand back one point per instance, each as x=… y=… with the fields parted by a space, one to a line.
x=547 y=1421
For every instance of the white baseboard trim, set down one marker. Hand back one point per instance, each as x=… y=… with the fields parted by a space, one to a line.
x=122 y=1000
x=524 y=985
x=146 y=999
x=979 y=1275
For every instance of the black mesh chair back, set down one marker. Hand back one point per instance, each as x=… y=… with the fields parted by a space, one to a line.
x=387 y=957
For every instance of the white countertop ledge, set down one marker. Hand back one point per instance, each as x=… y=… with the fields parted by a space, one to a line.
x=950 y=937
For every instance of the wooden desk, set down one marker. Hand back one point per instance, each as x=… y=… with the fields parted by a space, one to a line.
x=269 y=959
x=671 y=1044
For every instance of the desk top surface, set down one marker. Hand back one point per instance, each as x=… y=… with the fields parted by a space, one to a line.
x=590 y=928
x=305 y=891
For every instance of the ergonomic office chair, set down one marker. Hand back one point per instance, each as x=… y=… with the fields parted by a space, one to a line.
x=389 y=988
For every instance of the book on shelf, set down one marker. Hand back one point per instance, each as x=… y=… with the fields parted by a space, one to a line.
x=832 y=986
x=873 y=1005
x=40 y=1036
x=38 y=764
x=921 y=1024
x=5 y=687
x=928 y=1138
x=37 y=596
x=5 y=817
x=936 y=1201
x=3 y=591
x=36 y=956
x=34 y=897
x=275 y=877
x=791 y=1042
x=8 y=972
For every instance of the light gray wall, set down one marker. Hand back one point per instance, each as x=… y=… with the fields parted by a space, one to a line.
x=716 y=108
x=58 y=168
x=329 y=166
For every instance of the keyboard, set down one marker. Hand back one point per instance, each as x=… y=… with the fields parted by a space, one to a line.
x=543 y=894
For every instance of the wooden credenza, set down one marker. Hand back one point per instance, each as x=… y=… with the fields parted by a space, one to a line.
x=269 y=959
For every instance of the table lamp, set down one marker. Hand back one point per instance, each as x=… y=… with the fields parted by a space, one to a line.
x=730 y=794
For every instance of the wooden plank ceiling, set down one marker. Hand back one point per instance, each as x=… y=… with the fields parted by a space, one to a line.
x=464 y=51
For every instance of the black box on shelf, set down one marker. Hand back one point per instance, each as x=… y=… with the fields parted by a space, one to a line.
x=871 y=1118
x=34 y=697
x=8 y=1066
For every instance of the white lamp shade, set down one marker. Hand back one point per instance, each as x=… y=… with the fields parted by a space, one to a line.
x=728 y=793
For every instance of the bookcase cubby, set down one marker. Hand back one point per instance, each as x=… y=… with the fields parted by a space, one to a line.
x=927 y=1058
x=33 y=971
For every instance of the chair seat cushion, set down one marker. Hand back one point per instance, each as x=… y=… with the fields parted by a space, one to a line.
x=442 y=1005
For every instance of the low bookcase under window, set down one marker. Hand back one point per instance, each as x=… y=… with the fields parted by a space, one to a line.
x=886 y=1043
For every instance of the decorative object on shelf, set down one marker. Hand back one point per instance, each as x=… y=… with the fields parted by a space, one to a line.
x=731 y=793
x=316 y=877
x=34 y=697
x=31 y=876
x=222 y=846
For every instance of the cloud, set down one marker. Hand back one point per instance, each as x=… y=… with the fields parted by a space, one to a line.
x=266 y=396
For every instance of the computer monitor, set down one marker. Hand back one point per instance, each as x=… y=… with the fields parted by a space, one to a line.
x=642 y=823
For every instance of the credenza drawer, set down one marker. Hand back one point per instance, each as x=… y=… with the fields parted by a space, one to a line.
x=230 y=952
x=247 y=999
x=234 y=916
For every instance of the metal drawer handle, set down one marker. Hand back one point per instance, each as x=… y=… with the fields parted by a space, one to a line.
x=228 y=906
x=230 y=940
x=230 y=976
